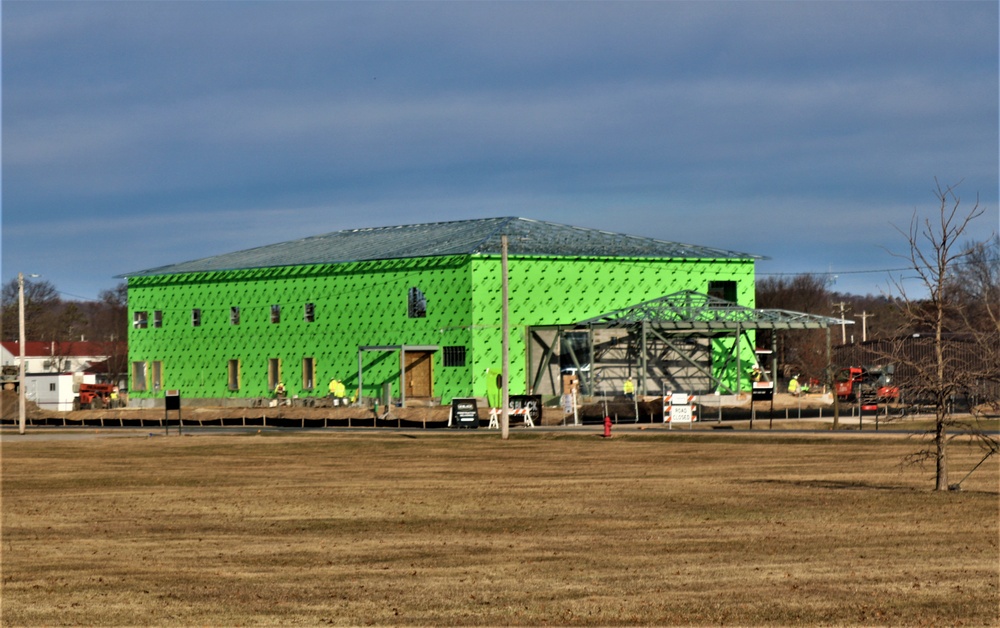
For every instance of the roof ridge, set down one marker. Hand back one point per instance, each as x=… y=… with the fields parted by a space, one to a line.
x=474 y=236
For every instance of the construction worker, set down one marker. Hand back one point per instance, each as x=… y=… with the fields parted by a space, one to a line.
x=279 y=391
x=629 y=388
x=337 y=391
x=756 y=374
x=793 y=386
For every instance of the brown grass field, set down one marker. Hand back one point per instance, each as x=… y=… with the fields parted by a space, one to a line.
x=446 y=528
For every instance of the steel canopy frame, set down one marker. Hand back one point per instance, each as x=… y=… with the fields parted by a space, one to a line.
x=686 y=313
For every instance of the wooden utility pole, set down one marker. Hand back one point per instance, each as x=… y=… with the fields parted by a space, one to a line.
x=20 y=365
x=831 y=375
x=864 y=325
x=504 y=344
x=843 y=323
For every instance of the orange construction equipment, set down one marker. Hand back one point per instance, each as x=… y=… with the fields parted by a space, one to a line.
x=94 y=396
x=867 y=383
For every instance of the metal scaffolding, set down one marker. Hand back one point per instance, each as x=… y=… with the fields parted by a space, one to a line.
x=670 y=340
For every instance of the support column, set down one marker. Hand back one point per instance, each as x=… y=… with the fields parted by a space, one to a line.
x=642 y=361
x=739 y=365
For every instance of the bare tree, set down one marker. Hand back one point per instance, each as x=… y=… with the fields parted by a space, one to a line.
x=801 y=352
x=41 y=302
x=939 y=374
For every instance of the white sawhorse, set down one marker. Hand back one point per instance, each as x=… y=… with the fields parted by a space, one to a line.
x=495 y=417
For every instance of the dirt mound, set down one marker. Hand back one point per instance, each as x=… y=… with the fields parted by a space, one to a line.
x=9 y=407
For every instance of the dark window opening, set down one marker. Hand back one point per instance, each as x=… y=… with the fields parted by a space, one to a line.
x=275 y=313
x=454 y=356
x=416 y=304
x=310 y=312
x=725 y=290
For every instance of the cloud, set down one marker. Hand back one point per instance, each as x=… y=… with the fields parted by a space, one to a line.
x=197 y=128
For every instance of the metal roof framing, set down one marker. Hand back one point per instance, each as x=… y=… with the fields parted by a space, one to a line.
x=480 y=236
x=688 y=310
x=669 y=319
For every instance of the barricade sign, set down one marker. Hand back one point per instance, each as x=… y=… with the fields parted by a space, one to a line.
x=464 y=413
x=681 y=414
x=172 y=401
x=762 y=391
x=678 y=408
x=532 y=406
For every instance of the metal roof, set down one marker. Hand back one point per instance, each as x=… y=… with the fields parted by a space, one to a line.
x=463 y=237
x=696 y=311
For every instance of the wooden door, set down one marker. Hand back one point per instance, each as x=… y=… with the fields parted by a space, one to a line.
x=418 y=377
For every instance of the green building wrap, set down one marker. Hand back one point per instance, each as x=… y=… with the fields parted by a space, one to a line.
x=232 y=335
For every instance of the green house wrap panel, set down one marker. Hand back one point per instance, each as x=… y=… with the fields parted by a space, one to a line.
x=366 y=304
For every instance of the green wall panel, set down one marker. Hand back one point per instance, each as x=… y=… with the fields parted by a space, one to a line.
x=355 y=304
x=365 y=303
x=551 y=291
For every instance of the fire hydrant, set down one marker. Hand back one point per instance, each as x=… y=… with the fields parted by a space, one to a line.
x=607 y=427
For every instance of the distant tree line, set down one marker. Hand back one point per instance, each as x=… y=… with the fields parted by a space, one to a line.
x=972 y=283
x=50 y=318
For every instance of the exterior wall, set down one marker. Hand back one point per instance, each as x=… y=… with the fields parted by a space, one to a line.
x=552 y=291
x=356 y=304
x=365 y=304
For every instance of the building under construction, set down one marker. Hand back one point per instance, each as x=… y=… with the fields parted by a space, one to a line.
x=415 y=311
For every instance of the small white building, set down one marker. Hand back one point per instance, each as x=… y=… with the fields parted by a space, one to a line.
x=55 y=391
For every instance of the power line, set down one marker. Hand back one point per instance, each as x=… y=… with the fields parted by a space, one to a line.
x=837 y=272
x=877 y=270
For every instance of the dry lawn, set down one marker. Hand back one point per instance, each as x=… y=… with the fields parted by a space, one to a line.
x=464 y=529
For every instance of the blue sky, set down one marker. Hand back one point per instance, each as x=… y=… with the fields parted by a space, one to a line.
x=138 y=134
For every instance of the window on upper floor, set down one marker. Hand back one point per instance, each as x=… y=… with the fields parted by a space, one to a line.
x=416 y=306
x=725 y=290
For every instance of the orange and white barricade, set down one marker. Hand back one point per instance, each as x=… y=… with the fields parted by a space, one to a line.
x=678 y=407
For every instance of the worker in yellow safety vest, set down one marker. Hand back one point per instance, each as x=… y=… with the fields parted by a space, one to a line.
x=337 y=391
x=793 y=386
x=628 y=388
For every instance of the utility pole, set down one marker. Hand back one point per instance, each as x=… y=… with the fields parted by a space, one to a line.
x=20 y=364
x=864 y=325
x=21 y=342
x=843 y=322
x=504 y=344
